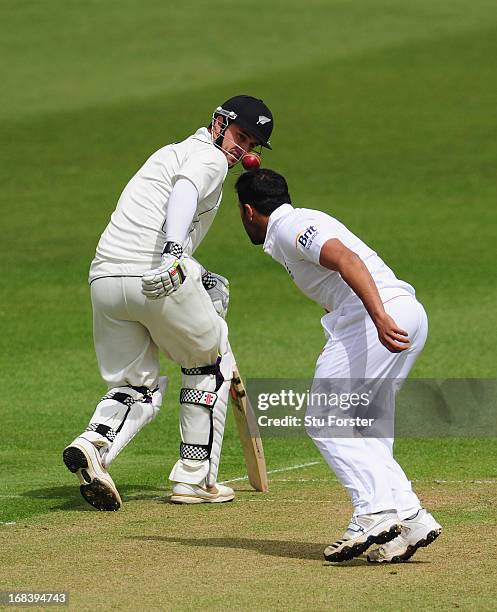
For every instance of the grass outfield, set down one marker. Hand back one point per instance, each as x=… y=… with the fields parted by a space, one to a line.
x=385 y=117
x=262 y=552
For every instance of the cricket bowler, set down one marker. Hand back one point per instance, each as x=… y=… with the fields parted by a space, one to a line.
x=375 y=329
x=149 y=295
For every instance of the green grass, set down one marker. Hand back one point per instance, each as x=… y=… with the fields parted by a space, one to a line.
x=263 y=552
x=385 y=117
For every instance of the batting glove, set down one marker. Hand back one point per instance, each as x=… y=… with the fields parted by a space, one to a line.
x=218 y=289
x=164 y=280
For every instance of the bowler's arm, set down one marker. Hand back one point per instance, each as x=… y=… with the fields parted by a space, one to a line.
x=336 y=256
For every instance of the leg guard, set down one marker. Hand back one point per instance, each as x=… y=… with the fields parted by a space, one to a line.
x=219 y=417
x=203 y=399
x=120 y=415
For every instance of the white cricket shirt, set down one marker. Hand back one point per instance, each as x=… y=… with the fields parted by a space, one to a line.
x=133 y=241
x=295 y=237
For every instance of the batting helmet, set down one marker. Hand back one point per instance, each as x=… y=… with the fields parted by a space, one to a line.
x=251 y=114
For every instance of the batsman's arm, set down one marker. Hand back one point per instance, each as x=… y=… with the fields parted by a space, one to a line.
x=336 y=256
x=181 y=209
x=170 y=274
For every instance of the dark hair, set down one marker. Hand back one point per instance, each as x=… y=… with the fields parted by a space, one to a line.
x=264 y=189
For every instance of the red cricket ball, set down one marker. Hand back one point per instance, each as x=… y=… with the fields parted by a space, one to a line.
x=251 y=161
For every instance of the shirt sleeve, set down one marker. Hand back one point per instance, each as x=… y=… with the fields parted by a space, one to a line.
x=206 y=169
x=181 y=209
x=304 y=238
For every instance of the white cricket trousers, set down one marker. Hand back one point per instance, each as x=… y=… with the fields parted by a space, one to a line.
x=130 y=329
x=366 y=466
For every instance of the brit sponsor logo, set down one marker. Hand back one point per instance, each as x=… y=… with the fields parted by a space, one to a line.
x=306 y=238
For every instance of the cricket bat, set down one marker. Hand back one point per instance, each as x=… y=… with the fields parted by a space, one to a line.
x=249 y=434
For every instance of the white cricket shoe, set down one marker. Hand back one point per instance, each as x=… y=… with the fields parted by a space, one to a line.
x=363 y=531
x=420 y=530
x=184 y=493
x=97 y=487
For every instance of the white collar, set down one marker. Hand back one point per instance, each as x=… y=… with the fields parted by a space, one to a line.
x=273 y=222
x=203 y=134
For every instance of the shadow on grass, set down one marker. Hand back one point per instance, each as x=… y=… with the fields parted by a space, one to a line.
x=72 y=499
x=362 y=561
x=275 y=548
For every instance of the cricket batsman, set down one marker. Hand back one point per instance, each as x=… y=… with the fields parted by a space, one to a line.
x=375 y=329
x=149 y=295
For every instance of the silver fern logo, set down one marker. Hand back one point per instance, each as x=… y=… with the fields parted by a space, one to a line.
x=263 y=120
